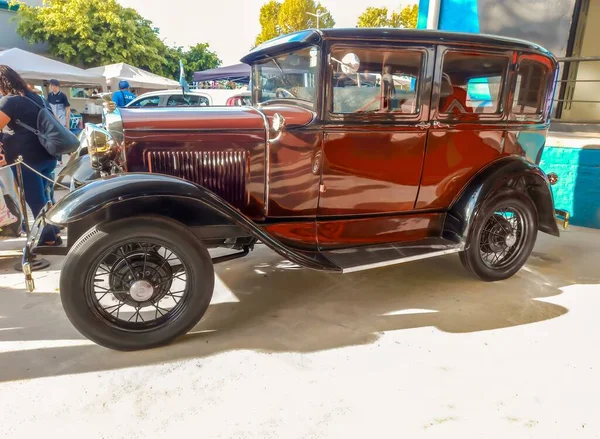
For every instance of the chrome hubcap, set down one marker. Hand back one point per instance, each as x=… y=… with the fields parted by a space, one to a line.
x=141 y=290
x=511 y=240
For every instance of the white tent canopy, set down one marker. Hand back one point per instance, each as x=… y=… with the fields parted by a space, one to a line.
x=137 y=78
x=36 y=68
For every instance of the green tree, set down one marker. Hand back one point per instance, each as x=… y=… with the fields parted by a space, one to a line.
x=92 y=32
x=378 y=17
x=291 y=16
x=198 y=58
x=374 y=17
x=406 y=18
x=269 y=24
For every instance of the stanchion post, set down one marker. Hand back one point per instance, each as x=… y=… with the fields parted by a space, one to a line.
x=22 y=194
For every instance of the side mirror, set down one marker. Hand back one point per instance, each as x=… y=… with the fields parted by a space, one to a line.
x=350 y=64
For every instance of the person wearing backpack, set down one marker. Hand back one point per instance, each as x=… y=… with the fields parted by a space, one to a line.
x=123 y=96
x=19 y=107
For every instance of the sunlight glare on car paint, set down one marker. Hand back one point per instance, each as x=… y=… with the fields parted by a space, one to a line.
x=409 y=311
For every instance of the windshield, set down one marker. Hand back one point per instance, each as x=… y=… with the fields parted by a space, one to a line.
x=289 y=76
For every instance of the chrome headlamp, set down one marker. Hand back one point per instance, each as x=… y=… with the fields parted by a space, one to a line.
x=100 y=144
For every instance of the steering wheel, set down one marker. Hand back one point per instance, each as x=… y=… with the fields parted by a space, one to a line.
x=283 y=93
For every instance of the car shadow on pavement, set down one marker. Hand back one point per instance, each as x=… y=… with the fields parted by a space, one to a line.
x=267 y=304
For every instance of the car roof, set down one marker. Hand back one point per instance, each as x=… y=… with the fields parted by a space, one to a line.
x=169 y=92
x=314 y=36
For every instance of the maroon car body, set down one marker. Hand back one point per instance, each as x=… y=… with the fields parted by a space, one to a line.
x=364 y=148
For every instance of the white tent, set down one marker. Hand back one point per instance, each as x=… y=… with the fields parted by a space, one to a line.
x=36 y=68
x=137 y=78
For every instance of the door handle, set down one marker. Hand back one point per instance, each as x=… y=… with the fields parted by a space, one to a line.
x=437 y=124
x=423 y=125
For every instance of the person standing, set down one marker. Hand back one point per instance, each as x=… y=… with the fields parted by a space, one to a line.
x=123 y=96
x=60 y=104
x=20 y=104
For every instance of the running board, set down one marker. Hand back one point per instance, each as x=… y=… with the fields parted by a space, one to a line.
x=383 y=255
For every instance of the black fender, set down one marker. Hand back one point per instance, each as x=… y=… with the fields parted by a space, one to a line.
x=79 y=171
x=506 y=173
x=125 y=195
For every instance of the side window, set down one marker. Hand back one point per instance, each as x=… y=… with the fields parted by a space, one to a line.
x=530 y=89
x=151 y=101
x=472 y=84
x=387 y=82
x=187 y=101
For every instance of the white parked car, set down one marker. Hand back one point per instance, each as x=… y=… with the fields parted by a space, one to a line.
x=193 y=98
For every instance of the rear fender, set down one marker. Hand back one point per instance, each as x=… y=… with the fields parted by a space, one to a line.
x=207 y=215
x=507 y=173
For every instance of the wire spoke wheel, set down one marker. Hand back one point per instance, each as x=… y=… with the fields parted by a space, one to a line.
x=503 y=236
x=138 y=286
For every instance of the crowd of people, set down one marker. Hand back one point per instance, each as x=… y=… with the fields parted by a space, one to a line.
x=220 y=85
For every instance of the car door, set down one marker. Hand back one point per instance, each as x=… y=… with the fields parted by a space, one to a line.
x=374 y=142
x=468 y=121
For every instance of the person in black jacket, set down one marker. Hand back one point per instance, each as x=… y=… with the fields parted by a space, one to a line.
x=16 y=104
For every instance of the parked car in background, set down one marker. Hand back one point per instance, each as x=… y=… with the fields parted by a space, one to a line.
x=363 y=148
x=193 y=98
x=239 y=100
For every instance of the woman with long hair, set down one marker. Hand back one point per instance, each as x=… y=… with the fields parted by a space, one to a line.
x=18 y=103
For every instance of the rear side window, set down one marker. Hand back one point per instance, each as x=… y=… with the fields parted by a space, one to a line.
x=151 y=101
x=530 y=89
x=187 y=101
x=472 y=83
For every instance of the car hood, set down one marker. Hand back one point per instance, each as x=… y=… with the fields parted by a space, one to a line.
x=191 y=119
x=210 y=118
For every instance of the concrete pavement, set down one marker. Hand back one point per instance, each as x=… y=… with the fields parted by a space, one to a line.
x=415 y=350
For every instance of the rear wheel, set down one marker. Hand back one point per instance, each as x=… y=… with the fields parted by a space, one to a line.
x=502 y=237
x=136 y=283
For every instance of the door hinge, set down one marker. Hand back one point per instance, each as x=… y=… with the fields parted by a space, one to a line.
x=322 y=188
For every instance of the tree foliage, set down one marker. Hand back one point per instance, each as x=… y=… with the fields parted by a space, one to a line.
x=374 y=17
x=379 y=17
x=407 y=17
x=269 y=25
x=91 y=33
x=290 y=16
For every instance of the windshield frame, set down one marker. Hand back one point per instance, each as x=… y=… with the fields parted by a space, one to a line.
x=257 y=86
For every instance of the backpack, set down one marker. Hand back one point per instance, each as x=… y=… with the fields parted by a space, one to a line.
x=52 y=134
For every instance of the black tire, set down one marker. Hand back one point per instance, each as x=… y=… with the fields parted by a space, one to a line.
x=481 y=240
x=78 y=280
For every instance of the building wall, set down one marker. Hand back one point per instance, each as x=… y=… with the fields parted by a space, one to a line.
x=8 y=30
x=590 y=46
x=578 y=189
x=545 y=22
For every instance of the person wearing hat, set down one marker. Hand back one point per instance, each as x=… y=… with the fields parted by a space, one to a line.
x=123 y=96
x=59 y=103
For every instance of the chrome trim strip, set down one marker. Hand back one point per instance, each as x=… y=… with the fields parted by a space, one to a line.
x=402 y=260
x=267 y=158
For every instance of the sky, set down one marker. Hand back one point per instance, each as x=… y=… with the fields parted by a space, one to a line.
x=230 y=26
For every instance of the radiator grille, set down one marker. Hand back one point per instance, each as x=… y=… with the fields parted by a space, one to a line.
x=222 y=172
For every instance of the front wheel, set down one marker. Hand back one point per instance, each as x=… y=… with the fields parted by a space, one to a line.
x=502 y=237
x=136 y=283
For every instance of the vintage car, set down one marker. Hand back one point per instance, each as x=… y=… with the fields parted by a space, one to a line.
x=363 y=148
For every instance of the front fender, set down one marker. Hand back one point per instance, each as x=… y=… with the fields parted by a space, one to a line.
x=120 y=196
x=79 y=171
x=102 y=193
x=508 y=172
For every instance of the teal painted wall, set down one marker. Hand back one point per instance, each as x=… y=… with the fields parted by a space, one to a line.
x=578 y=187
